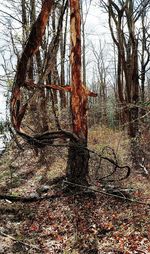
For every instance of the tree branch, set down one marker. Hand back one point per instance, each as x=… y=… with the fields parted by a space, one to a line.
x=106 y=193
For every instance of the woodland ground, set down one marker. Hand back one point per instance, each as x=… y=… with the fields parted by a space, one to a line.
x=74 y=222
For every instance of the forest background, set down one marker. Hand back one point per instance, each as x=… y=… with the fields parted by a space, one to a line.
x=50 y=81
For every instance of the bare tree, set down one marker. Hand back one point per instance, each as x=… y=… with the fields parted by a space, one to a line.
x=145 y=49
x=101 y=74
x=77 y=169
x=122 y=18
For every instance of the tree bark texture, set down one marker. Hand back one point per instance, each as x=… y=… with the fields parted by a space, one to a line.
x=77 y=168
x=32 y=46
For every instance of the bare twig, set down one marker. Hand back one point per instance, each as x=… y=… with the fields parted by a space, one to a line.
x=11 y=16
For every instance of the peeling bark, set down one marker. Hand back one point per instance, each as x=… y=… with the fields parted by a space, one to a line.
x=32 y=46
x=77 y=168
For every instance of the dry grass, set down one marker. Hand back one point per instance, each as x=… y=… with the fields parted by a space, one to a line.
x=72 y=224
x=109 y=143
x=100 y=137
x=29 y=171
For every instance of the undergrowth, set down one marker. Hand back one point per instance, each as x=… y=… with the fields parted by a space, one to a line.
x=77 y=223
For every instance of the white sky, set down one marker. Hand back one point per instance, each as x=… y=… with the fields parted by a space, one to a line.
x=97 y=30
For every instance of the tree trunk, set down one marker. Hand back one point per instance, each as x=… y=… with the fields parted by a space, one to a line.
x=17 y=109
x=77 y=165
x=77 y=168
x=83 y=47
x=62 y=74
x=63 y=39
x=128 y=83
x=24 y=23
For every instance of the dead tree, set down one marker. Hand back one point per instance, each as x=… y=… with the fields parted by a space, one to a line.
x=35 y=39
x=77 y=169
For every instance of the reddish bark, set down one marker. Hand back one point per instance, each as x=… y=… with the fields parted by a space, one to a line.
x=68 y=88
x=79 y=96
x=77 y=169
x=78 y=157
x=32 y=46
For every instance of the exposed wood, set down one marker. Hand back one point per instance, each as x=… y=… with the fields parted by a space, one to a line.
x=32 y=46
x=77 y=166
x=69 y=88
x=83 y=46
x=78 y=98
x=30 y=85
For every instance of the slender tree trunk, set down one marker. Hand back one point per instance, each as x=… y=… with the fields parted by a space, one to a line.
x=62 y=74
x=83 y=46
x=54 y=76
x=144 y=59
x=128 y=90
x=143 y=62
x=24 y=22
x=63 y=39
x=133 y=84
x=32 y=20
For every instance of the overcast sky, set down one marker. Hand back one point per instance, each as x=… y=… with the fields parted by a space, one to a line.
x=97 y=31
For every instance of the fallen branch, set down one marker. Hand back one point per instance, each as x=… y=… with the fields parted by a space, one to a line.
x=105 y=193
x=29 y=199
x=58 y=195
x=23 y=243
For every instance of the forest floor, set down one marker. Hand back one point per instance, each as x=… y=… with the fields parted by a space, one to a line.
x=73 y=222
